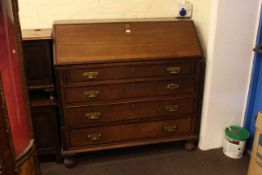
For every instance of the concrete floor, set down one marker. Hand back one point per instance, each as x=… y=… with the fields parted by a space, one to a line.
x=162 y=159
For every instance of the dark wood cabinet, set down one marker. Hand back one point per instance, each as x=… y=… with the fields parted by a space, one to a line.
x=127 y=83
x=38 y=63
x=37 y=46
x=44 y=120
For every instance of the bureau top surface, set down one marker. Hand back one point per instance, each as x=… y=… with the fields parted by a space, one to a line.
x=76 y=43
x=36 y=34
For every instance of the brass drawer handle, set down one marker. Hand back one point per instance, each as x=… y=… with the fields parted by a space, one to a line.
x=172 y=86
x=173 y=70
x=91 y=94
x=94 y=136
x=93 y=115
x=90 y=75
x=172 y=108
x=171 y=128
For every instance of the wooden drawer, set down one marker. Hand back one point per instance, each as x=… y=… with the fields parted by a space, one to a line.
x=129 y=132
x=79 y=116
x=128 y=70
x=129 y=90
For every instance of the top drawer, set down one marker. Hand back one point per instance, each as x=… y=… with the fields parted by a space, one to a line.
x=116 y=71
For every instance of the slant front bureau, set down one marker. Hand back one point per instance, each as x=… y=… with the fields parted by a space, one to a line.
x=127 y=83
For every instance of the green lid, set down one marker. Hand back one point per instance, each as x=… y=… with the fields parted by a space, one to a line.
x=237 y=133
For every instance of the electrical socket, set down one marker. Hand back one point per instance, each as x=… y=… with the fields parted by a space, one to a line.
x=184 y=10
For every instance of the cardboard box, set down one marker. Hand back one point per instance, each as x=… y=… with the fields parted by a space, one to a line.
x=255 y=165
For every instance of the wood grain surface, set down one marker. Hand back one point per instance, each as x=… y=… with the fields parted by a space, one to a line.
x=80 y=43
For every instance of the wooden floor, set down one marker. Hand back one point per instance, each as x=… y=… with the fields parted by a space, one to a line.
x=163 y=159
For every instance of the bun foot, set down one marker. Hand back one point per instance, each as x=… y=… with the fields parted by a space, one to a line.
x=69 y=162
x=189 y=146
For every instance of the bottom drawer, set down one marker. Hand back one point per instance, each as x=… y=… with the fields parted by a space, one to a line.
x=128 y=132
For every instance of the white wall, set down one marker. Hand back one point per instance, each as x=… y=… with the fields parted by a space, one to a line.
x=231 y=39
x=201 y=17
x=42 y=13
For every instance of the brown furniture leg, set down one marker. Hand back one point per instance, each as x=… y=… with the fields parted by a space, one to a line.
x=190 y=145
x=69 y=161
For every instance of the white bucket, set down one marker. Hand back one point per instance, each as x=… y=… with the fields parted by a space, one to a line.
x=235 y=140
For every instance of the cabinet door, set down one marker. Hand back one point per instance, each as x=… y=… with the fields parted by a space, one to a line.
x=38 y=62
x=44 y=122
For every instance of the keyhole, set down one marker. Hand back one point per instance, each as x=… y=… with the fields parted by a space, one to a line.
x=128 y=29
x=132 y=85
x=133 y=105
x=133 y=69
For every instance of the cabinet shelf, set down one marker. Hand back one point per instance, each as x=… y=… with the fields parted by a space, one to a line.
x=36 y=87
x=42 y=102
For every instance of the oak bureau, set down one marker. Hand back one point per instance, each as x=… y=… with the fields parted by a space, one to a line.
x=129 y=83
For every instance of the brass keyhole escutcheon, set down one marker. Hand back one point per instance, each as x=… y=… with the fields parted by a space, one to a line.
x=133 y=85
x=127 y=29
x=133 y=69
